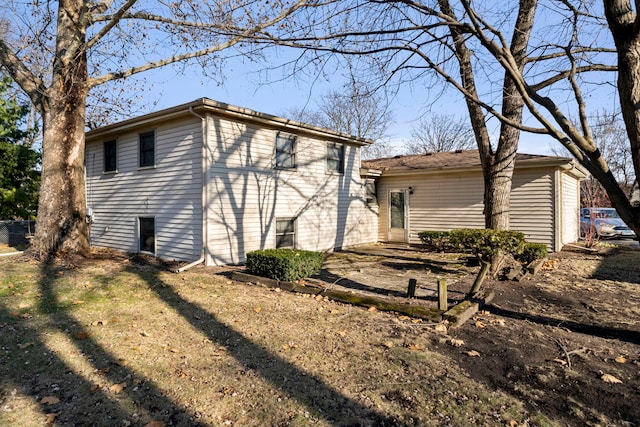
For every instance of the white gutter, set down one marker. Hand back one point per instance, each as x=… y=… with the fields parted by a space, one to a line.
x=205 y=193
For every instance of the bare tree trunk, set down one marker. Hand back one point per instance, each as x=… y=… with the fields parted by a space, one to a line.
x=623 y=23
x=498 y=165
x=61 y=226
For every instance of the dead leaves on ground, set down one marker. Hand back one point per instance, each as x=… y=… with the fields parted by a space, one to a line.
x=608 y=378
x=49 y=400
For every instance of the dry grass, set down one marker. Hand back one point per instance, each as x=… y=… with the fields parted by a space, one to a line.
x=110 y=341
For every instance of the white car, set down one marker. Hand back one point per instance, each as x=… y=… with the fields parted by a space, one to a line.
x=603 y=223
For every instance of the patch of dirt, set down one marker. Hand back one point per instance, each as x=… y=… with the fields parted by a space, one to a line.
x=551 y=339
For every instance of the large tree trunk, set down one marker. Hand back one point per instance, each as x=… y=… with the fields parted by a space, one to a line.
x=622 y=20
x=498 y=165
x=61 y=226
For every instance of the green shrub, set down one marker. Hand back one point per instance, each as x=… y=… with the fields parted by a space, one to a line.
x=435 y=240
x=284 y=264
x=487 y=243
x=532 y=252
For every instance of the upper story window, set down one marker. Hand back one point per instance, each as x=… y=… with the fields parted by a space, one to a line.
x=147 y=149
x=111 y=156
x=285 y=150
x=335 y=158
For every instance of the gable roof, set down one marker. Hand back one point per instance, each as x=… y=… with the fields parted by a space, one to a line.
x=461 y=160
x=209 y=106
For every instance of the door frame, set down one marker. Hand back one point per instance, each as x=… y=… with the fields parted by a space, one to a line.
x=398 y=236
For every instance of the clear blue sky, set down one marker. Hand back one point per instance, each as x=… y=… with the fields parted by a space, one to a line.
x=242 y=87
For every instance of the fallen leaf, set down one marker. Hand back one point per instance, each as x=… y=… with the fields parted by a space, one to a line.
x=404 y=318
x=81 y=335
x=621 y=359
x=608 y=378
x=416 y=320
x=155 y=423
x=480 y=324
x=560 y=361
x=372 y=309
x=415 y=347
x=473 y=353
x=49 y=400
x=10 y=286
x=51 y=418
x=77 y=302
x=334 y=312
x=513 y=423
x=440 y=328
x=117 y=388
x=342 y=333
x=456 y=342
x=25 y=345
x=388 y=344
x=257 y=309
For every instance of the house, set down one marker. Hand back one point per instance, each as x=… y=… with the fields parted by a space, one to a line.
x=444 y=191
x=209 y=182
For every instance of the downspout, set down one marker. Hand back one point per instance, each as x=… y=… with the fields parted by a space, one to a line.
x=205 y=194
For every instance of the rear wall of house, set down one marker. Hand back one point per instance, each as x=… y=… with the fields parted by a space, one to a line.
x=446 y=201
x=170 y=192
x=246 y=194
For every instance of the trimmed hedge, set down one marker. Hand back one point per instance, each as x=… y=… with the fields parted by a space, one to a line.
x=435 y=240
x=284 y=264
x=484 y=243
x=532 y=252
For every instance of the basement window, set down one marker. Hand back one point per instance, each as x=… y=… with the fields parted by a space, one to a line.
x=285 y=233
x=147 y=234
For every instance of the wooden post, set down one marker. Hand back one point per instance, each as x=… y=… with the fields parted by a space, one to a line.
x=411 y=292
x=442 y=295
x=479 y=279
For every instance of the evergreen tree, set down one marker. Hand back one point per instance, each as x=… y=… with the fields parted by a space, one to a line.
x=19 y=176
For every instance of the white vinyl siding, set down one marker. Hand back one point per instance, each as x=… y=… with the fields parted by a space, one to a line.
x=246 y=194
x=570 y=209
x=170 y=192
x=445 y=201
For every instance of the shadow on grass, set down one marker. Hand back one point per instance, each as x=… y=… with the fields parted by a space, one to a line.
x=320 y=398
x=625 y=335
x=38 y=372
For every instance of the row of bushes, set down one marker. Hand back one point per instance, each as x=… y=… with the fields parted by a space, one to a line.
x=293 y=264
x=484 y=243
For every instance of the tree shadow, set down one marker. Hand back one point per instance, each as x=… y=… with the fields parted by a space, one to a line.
x=621 y=264
x=625 y=335
x=38 y=371
x=308 y=390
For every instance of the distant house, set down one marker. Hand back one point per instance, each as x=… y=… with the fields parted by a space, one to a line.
x=209 y=182
x=443 y=191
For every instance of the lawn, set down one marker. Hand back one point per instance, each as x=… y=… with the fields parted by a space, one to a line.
x=120 y=341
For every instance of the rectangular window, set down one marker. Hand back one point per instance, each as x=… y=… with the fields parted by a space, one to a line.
x=285 y=151
x=285 y=233
x=370 y=192
x=147 y=228
x=147 y=149
x=110 y=156
x=335 y=158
